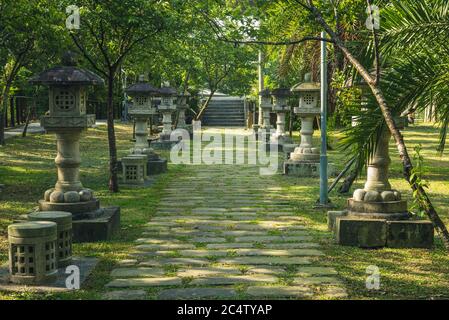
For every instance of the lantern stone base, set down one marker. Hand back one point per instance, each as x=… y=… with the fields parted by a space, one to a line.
x=288 y=148
x=58 y=284
x=375 y=233
x=162 y=144
x=100 y=227
x=306 y=169
x=77 y=209
x=156 y=166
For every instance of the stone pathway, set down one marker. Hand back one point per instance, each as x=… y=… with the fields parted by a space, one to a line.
x=225 y=232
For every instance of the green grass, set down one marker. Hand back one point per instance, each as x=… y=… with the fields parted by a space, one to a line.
x=27 y=169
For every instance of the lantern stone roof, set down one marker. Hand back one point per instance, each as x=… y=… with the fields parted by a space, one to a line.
x=168 y=91
x=67 y=74
x=307 y=85
x=281 y=92
x=265 y=93
x=142 y=88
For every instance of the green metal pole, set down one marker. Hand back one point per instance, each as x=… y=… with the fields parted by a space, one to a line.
x=323 y=157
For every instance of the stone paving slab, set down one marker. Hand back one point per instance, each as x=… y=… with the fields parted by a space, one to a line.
x=288 y=245
x=137 y=272
x=266 y=260
x=234 y=280
x=144 y=282
x=174 y=261
x=279 y=292
x=125 y=295
x=264 y=239
x=174 y=246
x=197 y=293
x=243 y=252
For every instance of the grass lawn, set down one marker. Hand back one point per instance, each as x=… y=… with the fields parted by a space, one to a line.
x=27 y=169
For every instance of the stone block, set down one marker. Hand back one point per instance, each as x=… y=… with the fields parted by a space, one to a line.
x=156 y=166
x=410 y=234
x=100 y=228
x=306 y=169
x=364 y=233
x=332 y=217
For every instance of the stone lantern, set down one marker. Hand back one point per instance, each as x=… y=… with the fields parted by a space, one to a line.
x=67 y=118
x=280 y=107
x=168 y=97
x=182 y=108
x=305 y=159
x=142 y=109
x=266 y=107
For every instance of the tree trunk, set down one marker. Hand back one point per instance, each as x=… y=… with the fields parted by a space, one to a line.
x=205 y=105
x=347 y=183
x=5 y=100
x=113 y=178
x=423 y=198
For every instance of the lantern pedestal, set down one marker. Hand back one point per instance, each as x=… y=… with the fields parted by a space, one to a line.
x=376 y=216
x=164 y=142
x=69 y=195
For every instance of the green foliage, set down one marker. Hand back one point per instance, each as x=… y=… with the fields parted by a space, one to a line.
x=417 y=175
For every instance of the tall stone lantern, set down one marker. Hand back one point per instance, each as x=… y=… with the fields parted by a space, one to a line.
x=182 y=108
x=67 y=118
x=280 y=107
x=267 y=107
x=168 y=96
x=305 y=159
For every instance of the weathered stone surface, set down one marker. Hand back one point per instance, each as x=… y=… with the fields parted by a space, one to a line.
x=332 y=217
x=279 y=291
x=71 y=197
x=388 y=196
x=125 y=295
x=57 y=197
x=372 y=196
x=334 y=292
x=264 y=239
x=137 y=272
x=316 y=281
x=172 y=246
x=266 y=260
x=85 y=195
x=208 y=240
x=316 y=271
x=208 y=271
x=410 y=234
x=359 y=195
x=127 y=262
x=144 y=282
x=256 y=278
x=197 y=293
x=365 y=233
x=174 y=261
x=287 y=245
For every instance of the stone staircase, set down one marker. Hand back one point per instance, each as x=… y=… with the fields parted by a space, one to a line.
x=225 y=112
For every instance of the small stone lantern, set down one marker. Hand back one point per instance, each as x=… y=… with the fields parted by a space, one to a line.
x=304 y=161
x=67 y=118
x=280 y=107
x=266 y=106
x=167 y=107
x=141 y=110
x=182 y=108
x=143 y=160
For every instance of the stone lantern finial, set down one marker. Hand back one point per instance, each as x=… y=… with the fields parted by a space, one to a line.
x=69 y=59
